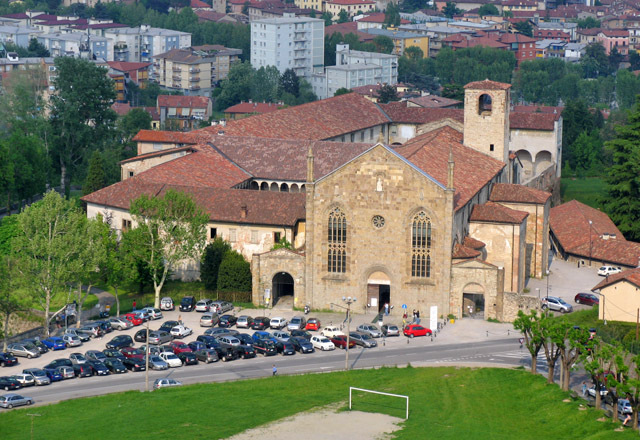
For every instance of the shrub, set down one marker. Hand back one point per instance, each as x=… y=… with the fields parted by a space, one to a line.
x=234 y=274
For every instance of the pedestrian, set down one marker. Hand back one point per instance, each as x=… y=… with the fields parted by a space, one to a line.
x=275 y=370
x=584 y=388
x=386 y=309
x=414 y=314
x=134 y=305
x=404 y=316
x=626 y=420
x=418 y=314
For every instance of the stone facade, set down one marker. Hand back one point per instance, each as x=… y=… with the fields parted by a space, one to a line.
x=266 y=268
x=475 y=277
x=514 y=302
x=537 y=150
x=131 y=168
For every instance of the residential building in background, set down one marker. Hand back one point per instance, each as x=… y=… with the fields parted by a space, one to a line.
x=352 y=7
x=403 y=40
x=123 y=73
x=141 y=44
x=75 y=44
x=289 y=42
x=183 y=112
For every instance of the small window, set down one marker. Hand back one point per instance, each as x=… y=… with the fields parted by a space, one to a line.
x=276 y=237
x=130 y=173
x=213 y=233
x=491 y=147
x=362 y=136
x=353 y=137
x=232 y=235
x=126 y=225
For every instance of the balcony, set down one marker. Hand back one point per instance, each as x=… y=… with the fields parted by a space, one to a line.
x=119 y=48
x=194 y=88
x=194 y=79
x=194 y=70
x=177 y=69
x=176 y=77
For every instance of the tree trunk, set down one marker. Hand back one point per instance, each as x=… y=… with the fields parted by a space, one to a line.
x=552 y=371
x=598 y=397
x=534 y=363
x=566 y=377
x=117 y=301
x=6 y=331
x=63 y=176
x=635 y=419
x=47 y=305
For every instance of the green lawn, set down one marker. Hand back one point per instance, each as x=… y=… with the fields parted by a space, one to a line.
x=445 y=403
x=586 y=190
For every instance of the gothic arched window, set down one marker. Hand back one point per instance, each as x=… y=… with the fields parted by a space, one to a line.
x=421 y=246
x=337 y=241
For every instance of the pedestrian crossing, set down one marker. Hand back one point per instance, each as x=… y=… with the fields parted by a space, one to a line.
x=516 y=357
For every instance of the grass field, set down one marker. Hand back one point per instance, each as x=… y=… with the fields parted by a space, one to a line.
x=587 y=190
x=445 y=403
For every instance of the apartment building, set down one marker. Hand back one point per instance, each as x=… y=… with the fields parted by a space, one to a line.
x=75 y=44
x=141 y=44
x=289 y=42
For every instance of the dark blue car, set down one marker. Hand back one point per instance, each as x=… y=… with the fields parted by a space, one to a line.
x=53 y=374
x=54 y=343
x=262 y=335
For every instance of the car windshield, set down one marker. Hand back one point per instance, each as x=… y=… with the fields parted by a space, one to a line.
x=561 y=301
x=365 y=336
x=324 y=340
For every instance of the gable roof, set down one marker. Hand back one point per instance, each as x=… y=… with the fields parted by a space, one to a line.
x=183 y=101
x=400 y=112
x=188 y=148
x=631 y=275
x=495 y=213
x=488 y=85
x=472 y=169
x=124 y=66
x=434 y=101
x=169 y=137
x=472 y=243
x=254 y=107
x=461 y=251
x=316 y=120
x=532 y=121
x=507 y=192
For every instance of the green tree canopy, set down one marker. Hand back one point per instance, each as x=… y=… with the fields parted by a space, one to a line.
x=210 y=263
x=96 y=176
x=588 y=23
x=289 y=82
x=450 y=10
x=234 y=274
x=387 y=93
x=342 y=91
x=343 y=16
x=488 y=9
x=524 y=27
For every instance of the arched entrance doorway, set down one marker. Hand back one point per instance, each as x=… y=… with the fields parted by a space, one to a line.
x=473 y=301
x=282 y=289
x=378 y=291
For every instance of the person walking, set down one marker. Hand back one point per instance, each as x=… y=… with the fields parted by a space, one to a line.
x=134 y=305
x=584 y=388
x=386 y=309
x=275 y=370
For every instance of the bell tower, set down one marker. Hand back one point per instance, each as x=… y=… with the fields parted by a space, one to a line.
x=486 y=118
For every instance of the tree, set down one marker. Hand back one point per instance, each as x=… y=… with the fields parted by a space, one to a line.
x=392 y=15
x=628 y=381
x=588 y=23
x=524 y=27
x=342 y=91
x=10 y=299
x=343 y=16
x=488 y=9
x=282 y=244
x=387 y=93
x=327 y=17
x=96 y=177
x=622 y=202
x=210 y=263
x=266 y=84
x=450 y=10
x=172 y=230
x=234 y=274
x=576 y=119
x=453 y=91
x=236 y=86
x=587 y=154
x=549 y=332
x=46 y=245
x=8 y=230
x=130 y=124
x=598 y=358
x=571 y=342
x=529 y=327
x=383 y=44
x=615 y=58
x=37 y=49
x=595 y=61
x=245 y=7
x=289 y=82
x=81 y=114
x=414 y=53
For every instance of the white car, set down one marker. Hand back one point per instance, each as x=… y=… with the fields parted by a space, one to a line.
x=71 y=340
x=281 y=336
x=153 y=313
x=171 y=359
x=166 y=303
x=322 y=343
x=278 y=322
x=25 y=379
x=180 y=331
x=608 y=270
x=166 y=382
x=331 y=331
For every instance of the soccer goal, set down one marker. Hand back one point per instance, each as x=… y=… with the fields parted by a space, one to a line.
x=400 y=396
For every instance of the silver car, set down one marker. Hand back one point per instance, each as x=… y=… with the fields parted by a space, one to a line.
x=363 y=339
x=24 y=350
x=120 y=323
x=166 y=303
x=370 y=329
x=281 y=336
x=153 y=313
x=203 y=305
x=156 y=363
x=209 y=319
x=66 y=372
x=78 y=358
x=556 y=304
x=220 y=307
x=25 y=379
x=159 y=337
x=71 y=340
x=244 y=321
x=39 y=375
x=229 y=341
x=83 y=335
x=12 y=399
x=297 y=323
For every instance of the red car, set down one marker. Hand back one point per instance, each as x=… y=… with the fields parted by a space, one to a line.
x=416 y=330
x=340 y=341
x=180 y=347
x=133 y=319
x=587 y=298
x=313 y=324
x=132 y=353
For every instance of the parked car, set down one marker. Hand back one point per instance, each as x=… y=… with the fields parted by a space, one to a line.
x=207 y=355
x=54 y=343
x=134 y=364
x=227 y=321
x=82 y=334
x=25 y=379
x=180 y=347
x=159 y=337
x=83 y=370
x=413 y=330
x=53 y=374
x=187 y=304
x=556 y=304
x=141 y=335
x=219 y=331
x=340 y=341
x=265 y=347
x=209 y=319
x=285 y=348
x=23 y=350
x=131 y=353
x=105 y=326
x=120 y=341
x=133 y=319
x=588 y=299
x=313 y=324
x=156 y=363
x=119 y=323
x=301 y=334
x=245 y=338
x=153 y=313
x=331 y=331
x=624 y=407
x=260 y=323
x=188 y=358
x=603 y=391
x=221 y=306
x=278 y=322
x=297 y=323
x=209 y=341
x=12 y=399
x=78 y=358
x=58 y=363
x=363 y=339
x=370 y=329
x=280 y=335
x=96 y=355
x=390 y=330
x=38 y=344
x=261 y=336
x=322 y=342
x=66 y=372
x=608 y=270
x=166 y=303
x=244 y=321
x=99 y=368
x=229 y=341
x=7 y=359
x=168 y=325
x=171 y=359
x=166 y=382
x=180 y=331
x=196 y=346
x=302 y=345
x=245 y=351
x=39 y=376
x=93 y=330
x=203 y=305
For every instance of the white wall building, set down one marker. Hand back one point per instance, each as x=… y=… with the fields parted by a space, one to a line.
x=75 y=44
x=289 y=42
x=140 y=44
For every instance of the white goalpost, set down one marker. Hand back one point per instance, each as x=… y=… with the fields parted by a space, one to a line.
x=351 y=389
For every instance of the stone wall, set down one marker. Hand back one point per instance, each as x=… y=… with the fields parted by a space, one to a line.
x=514 y=302
x=475 y=276
x=138 y=166
x=265 y=266
x=487 y=131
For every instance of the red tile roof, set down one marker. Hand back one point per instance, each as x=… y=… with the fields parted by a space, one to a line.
x=121 y=108
x=378 y=17
x=434 y=101
x=556 y=110
x=350 y=27
x=631 y=275
x=472 y=169
x=399 y=112
x=532 y=121
x=479 y=41
x=199 y=4
x=316 y=120
x=351 y=2
x=159 y=153
x=183 y=101
x=254 y=107
x=123 y=66
x=463 y=252
x=472 y=243
x=516 y=38
x=507 y=192
x=169 y=137
x=611 y=250
x=495 y=213
x=488 y=85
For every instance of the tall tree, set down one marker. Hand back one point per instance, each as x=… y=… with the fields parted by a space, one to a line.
x=387 y=93
x=524 y=27
x=571 y=342
x=623 y=177
x=290 y=83
x=450 y=10
x=597 y=359
x=595 y=62
x=81 y=114
x=343 y=16
x=172 y=231
x=529 y=327
x=96 y=176
x=488 y=9
x=234 y=274
x=46 y=245
x=392 y=15
x=210 y=264
x=10 y=299
x=628 y=381
x=236 y=86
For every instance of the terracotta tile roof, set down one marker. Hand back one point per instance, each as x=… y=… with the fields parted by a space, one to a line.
x=124 y=66
x=615 y=32
x=556 y=110
x=623 y=252
x=399 y=112
x=434 y=101
x=472 y=243
x=183 y=101
x=351 y=2
x=569 y=223
x=264 y=157
x=507 y=192
x=630 y=275
x=209 y=15
x=350 y=27
x=472 y=169
x=316 y=120
x=199 y=4
x=454 y=38
x=158 y=153
x=532 y=121
x=155 y=116
x=516 y=38
x=172 y=137
x=479 y=41
x=488 y=85
x=121 y=108
x=379 y=17
x=254 y=107
x=495 y=213
x=463 y=252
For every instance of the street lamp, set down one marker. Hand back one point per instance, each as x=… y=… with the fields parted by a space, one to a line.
x=590 y=242
x=348 y=301
x=548 y=273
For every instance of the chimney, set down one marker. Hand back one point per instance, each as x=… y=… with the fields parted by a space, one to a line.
x=310 y=165
x=243 y=211
x=223 y=122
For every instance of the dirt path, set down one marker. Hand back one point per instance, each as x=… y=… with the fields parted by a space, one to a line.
x=326 y=424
